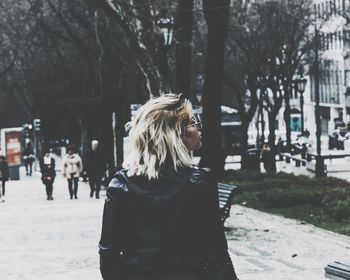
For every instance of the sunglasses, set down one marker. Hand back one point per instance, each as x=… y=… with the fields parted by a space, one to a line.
x=196 y=122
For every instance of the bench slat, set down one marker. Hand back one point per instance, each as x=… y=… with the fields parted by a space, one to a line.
x=225 y=193
x=226 y=187
x=338 y=270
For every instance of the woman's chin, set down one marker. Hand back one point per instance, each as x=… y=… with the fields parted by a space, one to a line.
x=198 y=146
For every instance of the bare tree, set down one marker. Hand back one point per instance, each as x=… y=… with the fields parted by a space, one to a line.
x=216 y=14
x=271 y=40
x=183 y=36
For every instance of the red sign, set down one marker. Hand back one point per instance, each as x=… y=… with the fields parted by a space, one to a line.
x=13 y=147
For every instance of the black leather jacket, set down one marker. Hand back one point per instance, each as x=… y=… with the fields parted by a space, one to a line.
x=166 y=224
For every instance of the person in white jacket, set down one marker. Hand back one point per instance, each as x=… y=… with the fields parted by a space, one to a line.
x=72 y=166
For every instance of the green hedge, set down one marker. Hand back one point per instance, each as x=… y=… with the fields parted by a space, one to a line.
x=324 y=202
x=291 y=197
x=341 y=210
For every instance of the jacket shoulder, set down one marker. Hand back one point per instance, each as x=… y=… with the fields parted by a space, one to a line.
x=201 y=176
x=118 y=182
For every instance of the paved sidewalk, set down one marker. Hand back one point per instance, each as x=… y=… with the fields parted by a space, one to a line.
x=51 y=240
x=265 y=247
x=57 y=240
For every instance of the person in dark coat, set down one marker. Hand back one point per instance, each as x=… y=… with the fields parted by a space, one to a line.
x=267 y=158
x=28 y=157
x=48 y=173
x=4 y=176
x=95 y=167
x=161 y=218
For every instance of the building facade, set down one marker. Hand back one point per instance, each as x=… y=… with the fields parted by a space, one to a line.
x=332 y=19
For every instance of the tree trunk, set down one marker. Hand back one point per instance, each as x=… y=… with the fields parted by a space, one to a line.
x=287 y=116
x=262 y=122
x=107 y=144
x=216 y=14
x=183 y=36
x=84 y=138
x=244 y=144
x=272 y=138
x=246 y=118
x=119 y=130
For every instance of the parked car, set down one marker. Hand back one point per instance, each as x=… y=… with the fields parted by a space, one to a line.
x=339 y=123
x=298 y=148
x=299 y=145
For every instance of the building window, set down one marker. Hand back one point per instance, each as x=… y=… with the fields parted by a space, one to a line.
x=347 y=78
x=332 y=40
x=331 y=7
x=335 y=6
x=330 y=82
x=322 y=9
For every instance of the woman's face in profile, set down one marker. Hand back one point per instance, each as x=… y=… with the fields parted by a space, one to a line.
x=192 y=134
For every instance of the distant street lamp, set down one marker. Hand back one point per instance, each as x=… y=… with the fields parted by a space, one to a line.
x=166 y=25
x=300 y=84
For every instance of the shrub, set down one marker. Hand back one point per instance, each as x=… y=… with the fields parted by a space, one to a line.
x=243 y=175
x=292 y=197
x=335 y=194
x=341 y=210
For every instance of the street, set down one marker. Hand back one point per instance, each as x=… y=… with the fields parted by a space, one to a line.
x=56 y=240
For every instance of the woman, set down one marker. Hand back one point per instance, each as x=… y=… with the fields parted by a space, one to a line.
x=267 y=158
x=48 y=173
x=161 y=216
x=4 y=176
x=72 y=166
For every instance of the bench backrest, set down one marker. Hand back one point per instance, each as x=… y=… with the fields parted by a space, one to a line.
x=225 y=192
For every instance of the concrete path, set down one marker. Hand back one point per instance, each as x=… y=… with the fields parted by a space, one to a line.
x=57 y=240
x=265 y=247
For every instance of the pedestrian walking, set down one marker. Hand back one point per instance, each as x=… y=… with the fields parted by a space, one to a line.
x=48 y=173
x=161 y=217
x=72 y=166
x=4 y=176
x=28 y=157
x=95 y=167
x=267 y=158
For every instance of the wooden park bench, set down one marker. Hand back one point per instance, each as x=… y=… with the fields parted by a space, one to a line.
x=338 y=270
x=225 y=200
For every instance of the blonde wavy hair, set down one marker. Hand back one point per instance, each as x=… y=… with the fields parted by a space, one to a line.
x=156 y=136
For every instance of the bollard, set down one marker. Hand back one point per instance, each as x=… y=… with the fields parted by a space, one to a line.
x=321 y=170
x=303 y=154
x=287 y=159
x=308 y=157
